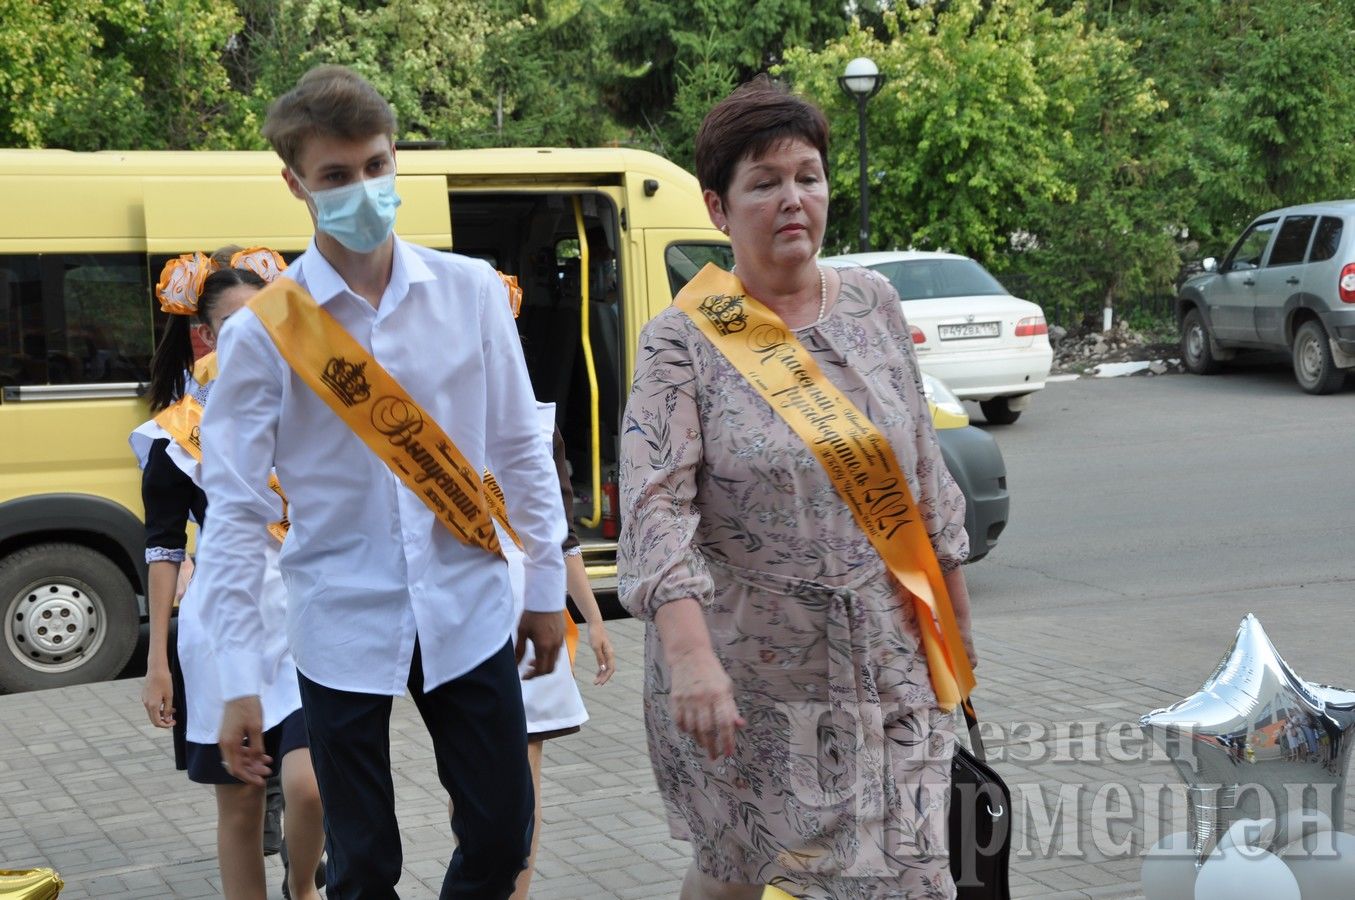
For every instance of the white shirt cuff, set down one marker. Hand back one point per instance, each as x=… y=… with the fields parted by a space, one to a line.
x=542 y=591
x=240 y=672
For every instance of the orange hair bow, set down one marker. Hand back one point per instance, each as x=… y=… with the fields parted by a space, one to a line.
x=510 y=282
x=181 y=283
x=182 y=279
x=267 y=264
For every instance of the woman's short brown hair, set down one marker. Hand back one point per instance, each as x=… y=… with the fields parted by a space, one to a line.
x=333 y=101
x=758 y=115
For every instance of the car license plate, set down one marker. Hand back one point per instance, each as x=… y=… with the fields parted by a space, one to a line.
x=969 y=331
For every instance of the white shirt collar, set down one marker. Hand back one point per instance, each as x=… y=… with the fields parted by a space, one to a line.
x=324 y=283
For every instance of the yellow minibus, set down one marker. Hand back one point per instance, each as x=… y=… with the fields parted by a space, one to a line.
x=599 y=239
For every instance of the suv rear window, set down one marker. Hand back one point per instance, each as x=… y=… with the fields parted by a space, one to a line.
x=925 y=279
x=1292 y=242
x=1328 y=239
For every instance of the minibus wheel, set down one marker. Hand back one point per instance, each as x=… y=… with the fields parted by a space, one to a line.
x=70 y=617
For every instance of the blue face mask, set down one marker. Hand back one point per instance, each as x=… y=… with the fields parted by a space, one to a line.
x=360 y=215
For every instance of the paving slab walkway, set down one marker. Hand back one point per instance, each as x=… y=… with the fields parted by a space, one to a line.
x=88 y=787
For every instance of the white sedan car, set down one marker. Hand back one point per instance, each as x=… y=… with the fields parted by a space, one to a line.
x=968 y=331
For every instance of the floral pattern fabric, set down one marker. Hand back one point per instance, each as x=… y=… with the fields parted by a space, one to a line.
x=839 y=784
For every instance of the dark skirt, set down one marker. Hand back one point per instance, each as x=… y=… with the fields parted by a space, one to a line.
x=204 y=760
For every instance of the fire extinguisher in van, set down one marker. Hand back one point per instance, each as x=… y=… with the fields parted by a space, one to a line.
x=611 y=502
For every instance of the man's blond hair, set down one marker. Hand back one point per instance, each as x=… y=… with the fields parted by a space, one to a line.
x=333 y=101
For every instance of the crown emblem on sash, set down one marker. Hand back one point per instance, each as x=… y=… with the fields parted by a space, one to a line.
x=195 y=436
x=725 y=313
x=347 y=380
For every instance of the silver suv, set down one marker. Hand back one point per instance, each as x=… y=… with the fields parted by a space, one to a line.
x=1287 y=284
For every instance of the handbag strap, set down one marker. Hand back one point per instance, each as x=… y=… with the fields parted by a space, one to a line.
x=971 y=719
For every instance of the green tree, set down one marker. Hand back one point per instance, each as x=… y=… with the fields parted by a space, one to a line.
x=1116 y=239
x=553 y=75
x=689 y=53
x=89 y=75
x=1260 y=91
x=467 y=73
x=964 y=133
x=425 y=56
x=51 y=55
x=1008 y=132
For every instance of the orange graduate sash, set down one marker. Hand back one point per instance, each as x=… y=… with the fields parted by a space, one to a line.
x=379 y=411
x=859 y=461
x=183 y=422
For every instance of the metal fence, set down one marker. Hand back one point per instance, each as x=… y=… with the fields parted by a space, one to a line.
x=1140 y=311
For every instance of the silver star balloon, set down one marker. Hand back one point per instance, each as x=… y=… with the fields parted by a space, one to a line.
x=1257 y=741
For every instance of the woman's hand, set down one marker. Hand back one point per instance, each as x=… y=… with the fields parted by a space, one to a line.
x=967 y=635
x=703 y=701
x=602 y=652
x=185 y=576
x=157 y=696
x=959 y=604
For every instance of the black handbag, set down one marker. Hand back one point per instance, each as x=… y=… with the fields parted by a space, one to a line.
x=980 y=822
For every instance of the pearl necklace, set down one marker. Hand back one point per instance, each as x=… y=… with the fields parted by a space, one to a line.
x=823 y=295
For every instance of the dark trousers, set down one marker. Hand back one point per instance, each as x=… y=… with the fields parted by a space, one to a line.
x=480 y=741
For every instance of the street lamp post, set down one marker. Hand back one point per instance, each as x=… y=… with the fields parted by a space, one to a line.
x=861 y=81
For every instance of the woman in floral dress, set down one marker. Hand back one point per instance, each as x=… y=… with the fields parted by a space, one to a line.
x=794 y=732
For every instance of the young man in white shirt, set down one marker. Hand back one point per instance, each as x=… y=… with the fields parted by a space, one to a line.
x=382 y=596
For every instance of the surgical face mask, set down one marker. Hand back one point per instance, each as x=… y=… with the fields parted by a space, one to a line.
x=360 y=215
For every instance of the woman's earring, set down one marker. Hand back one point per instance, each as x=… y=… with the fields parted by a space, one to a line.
x=724 y=229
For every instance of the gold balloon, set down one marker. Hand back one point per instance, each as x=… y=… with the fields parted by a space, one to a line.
x=30 y=884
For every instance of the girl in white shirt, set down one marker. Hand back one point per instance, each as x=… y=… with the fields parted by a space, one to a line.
x=182 y=690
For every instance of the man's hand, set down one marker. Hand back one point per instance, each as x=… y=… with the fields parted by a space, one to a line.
x=546 y=631
x=242 y=741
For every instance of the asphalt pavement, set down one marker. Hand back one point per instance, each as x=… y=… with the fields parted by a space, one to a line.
x=1148 y=516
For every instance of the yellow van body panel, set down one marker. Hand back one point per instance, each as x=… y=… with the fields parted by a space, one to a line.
x=58 y=435
x=156 y=203
x=258 y=210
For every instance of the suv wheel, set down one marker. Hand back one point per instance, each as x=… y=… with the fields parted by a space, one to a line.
x=1197 y=350
x=70 y=617
x=998 y=411
x=1314 y=367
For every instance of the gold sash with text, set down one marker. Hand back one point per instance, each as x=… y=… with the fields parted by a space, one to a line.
x=183 y=422
x=378 y=409
x=859 y=461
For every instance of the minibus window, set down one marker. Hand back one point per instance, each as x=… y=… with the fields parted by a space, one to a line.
x=74 y=318
x=684 y=260
x=108 y=319
x=23 y=347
